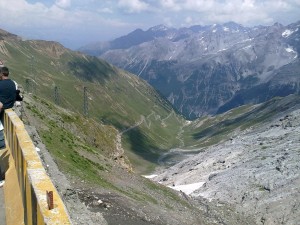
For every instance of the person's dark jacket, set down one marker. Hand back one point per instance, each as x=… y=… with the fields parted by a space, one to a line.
x=8 y=93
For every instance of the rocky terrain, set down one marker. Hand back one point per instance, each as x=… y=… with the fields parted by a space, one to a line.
x=91 y=205
x=130 y=200
x=250 y=178
x=257 y=170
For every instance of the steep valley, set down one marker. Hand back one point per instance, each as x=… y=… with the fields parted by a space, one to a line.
x=249 y=174
x=99 y=129
x=98 y=189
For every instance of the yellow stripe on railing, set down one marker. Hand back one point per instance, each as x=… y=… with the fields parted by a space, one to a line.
x=31 y=176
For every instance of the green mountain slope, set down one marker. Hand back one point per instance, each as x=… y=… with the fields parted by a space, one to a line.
x=147 y=123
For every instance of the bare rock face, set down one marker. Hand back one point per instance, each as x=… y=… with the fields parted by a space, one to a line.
x=257 y=171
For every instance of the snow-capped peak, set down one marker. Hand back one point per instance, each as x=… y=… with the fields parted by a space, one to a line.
x=288 y=32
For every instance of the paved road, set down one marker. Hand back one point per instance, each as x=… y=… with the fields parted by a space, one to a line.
x=2 y=208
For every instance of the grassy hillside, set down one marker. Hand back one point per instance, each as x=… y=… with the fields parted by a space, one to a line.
x=114 y=97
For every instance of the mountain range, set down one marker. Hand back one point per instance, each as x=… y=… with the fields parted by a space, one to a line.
x=206 y=70
x=98 y=128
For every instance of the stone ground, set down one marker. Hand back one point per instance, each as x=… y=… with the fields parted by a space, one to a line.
x=2 y=208
x=255 y=174
x=257 y=171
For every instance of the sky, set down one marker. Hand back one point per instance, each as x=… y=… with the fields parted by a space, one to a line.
x=76 y=23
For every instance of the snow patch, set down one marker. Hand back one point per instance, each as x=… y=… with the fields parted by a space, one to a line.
x=187 y=122
x=150 y=176
x=249 y=39
x=287 y=33
x=249 y=46
x=224 y=49
x=226 y=29
x=289 y=49
x=188 y=188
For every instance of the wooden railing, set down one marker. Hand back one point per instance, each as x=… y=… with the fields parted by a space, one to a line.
x=30 y=196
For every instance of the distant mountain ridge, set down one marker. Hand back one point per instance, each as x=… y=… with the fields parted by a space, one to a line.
x=136 y=37
x=209 y=69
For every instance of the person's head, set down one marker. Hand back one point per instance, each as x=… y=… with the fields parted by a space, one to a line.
x=4 y=72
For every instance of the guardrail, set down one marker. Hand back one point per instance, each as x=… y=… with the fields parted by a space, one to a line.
x=30 y=196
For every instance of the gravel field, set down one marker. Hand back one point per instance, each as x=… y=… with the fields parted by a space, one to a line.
x=257 y=171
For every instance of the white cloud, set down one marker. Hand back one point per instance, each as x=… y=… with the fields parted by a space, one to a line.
x=70 y=26
x=188 y=20
x=168 y=21
x=133 y=6
x=199 y=5
x=65 y=19
x=19 y=12
x=63 y=3
x=170 y=5
x=297 y=2
x=105 y=10
x=245 y=11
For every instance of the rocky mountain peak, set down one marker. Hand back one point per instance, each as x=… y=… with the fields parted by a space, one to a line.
x=202 y=69
x=160 y=27
x=6 y=35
